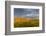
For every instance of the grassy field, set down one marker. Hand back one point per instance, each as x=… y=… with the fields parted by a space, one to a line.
x=23 y=22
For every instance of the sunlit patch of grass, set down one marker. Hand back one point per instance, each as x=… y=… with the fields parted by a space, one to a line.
x=30 y=23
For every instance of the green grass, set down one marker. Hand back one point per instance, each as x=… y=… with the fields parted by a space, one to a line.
x=31 y=23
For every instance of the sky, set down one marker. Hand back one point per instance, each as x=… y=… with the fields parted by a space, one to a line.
x=26 y=12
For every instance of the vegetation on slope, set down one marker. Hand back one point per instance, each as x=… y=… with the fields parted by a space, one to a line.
x=26 y=23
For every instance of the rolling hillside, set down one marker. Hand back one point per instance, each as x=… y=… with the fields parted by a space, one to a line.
x=26 y=22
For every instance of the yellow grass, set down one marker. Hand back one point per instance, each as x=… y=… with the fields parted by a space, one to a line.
x=26 y=22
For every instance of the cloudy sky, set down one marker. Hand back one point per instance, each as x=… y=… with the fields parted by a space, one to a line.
x=26 y=12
